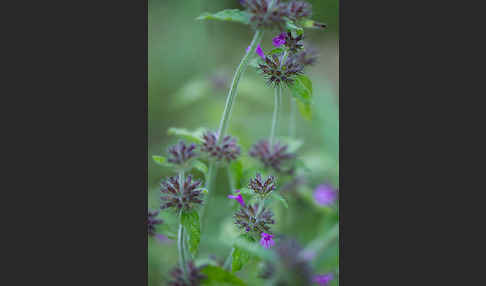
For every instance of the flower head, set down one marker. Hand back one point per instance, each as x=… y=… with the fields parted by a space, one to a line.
x=325 y=195
x=153 y=221
x=238 y=198
x=250 y=218
x=180 y=196
x=265 y=15
x=277 y=73
x=227 y=150
x=275 y=157
x=181 y=153
x=267 y=240
x=194 y=276
x=262 y=187
x=323 y=280
x=260 y=52
x=294 y=44
x=279 y=40
x=297 y=10
x=307 y=57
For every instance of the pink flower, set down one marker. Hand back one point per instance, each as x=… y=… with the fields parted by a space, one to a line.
x=279 y=40
x=238 y=198
x=259 y=51
x=325 y=195
x=323 y=280
x=267 y=240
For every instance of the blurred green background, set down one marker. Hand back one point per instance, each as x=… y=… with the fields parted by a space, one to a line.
x=190 y=65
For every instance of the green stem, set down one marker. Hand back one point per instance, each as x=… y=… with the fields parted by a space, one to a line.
x=232 y=183
x=223 y=125
x=276 y=111
x=234 y=85
x=229 y=260
x=180 y=248
x=293 y=119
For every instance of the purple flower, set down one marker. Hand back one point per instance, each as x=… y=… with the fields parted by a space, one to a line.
x=227 y=150
x=238 y=198
x=325 y=195
x=323 y=280
x=259 y=51
x=279 y=40
x=267 y=240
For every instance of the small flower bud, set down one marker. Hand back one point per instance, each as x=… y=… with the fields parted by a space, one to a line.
x=261 y=187
x=180 y=153
x=185 y=198
x=276 y=73
x=227 y=150
x=251 y=219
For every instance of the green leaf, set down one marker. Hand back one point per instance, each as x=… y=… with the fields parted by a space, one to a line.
x=301 y=89
x=193 y=136
x=190 y=221
x=160 y=160
x=239 y=258
x=217 y=276
x=292 y=143
x=276 y=51
x=290 y=25
x=231 y=15
x=280 y=199
x=308 y=23
x=236 y=169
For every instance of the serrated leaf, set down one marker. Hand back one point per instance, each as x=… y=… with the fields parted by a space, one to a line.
x=231 y=15
x=301 y=89
x=193 y=136
x=190 y=221
x=217 y=276
x=239 y=258
x=280 y=199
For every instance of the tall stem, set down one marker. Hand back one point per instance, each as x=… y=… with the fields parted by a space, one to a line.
x=276 y=111
x=180 y=248
x=223 y=125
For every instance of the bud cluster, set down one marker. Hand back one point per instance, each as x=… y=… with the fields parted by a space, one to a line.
x=153 y=221
x=253 y=219
x=194 y=276
x=261 y=187
x=275 y=157
x=181 y=195
x=227 y=150
x=180 y=153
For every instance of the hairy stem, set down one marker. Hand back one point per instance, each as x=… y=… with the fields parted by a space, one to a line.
x=276 y=111
x=180 y=248
x=223 y=125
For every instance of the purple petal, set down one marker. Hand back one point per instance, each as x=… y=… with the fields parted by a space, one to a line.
x=238 y=198
x=279 y=40
x=161 y=238
x=259 y=51
x=325 y=195
x=324 y=279
x=266 y=241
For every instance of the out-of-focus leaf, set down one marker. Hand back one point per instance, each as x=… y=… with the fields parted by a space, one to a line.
x=191 y=92
x=276 y=51
x=217 y=276
x=293 y=144
x=231 y=15
x=301 y=89
x=280 y=199
x=239 y=258
x=254 y=249
x=308 y=23
x=159 y=160
x=193 y=136
x=190 y=221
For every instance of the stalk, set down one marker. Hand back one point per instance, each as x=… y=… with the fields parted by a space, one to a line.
x=223 y=126
x=276 y=111
x=180 y=248
x=229 y=260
